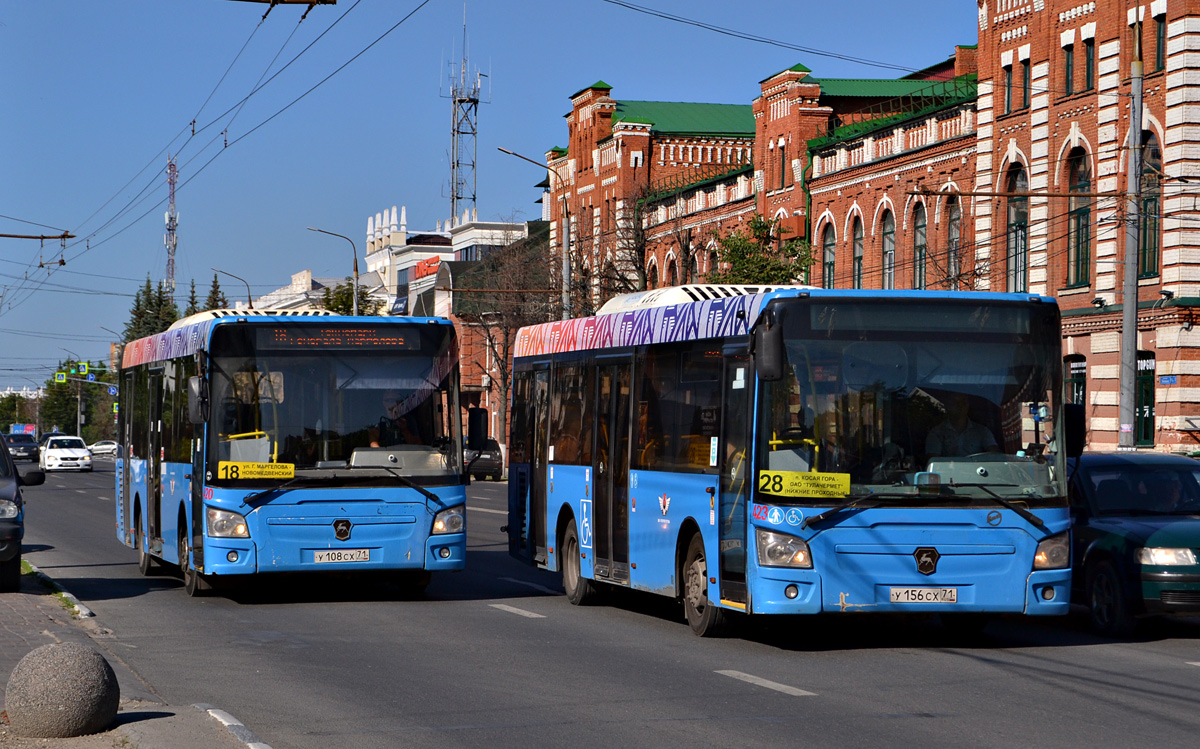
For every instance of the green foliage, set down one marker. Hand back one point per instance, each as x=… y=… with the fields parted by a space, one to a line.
x=10 y=406
x=761 y=255
x=216 y=298
x=339 y=301
x=153 y=312
x=193 y=304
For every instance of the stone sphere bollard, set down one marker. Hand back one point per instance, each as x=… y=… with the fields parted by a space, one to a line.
x=61 y=690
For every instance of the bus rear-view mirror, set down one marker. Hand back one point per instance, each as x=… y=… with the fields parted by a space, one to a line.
x=197 y=400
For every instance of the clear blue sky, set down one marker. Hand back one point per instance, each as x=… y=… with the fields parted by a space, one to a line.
x=95 y=94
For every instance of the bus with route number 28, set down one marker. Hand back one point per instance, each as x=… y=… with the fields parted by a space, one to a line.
x=794 y=450
x=258 y=441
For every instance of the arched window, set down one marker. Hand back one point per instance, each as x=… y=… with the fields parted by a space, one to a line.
x=713 y=262
x=652 y=278
x=1076 y=379
x=858 y=252
x=953 y=242
x=827 y=243
x=672 y=274
x=1079 y=225
x=889 y=251
x=1017 y=246
x=919 y=242
x=1148 y=250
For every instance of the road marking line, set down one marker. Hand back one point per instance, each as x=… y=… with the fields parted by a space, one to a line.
x=535 y=586
x=81 y=491
x=1193 y=663
x=101 y=497
x=492 y=512
x=768 y=684
x=517 y=611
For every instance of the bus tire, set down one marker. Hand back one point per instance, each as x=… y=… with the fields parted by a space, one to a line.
x=705 y=619
x=194 y=584
x=147 y=565
x=580 y=591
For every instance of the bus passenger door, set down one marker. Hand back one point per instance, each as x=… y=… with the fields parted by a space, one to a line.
x=735 y=477
x=537 y=487
x=128 y=396
x=154 y=462
x=611 y=460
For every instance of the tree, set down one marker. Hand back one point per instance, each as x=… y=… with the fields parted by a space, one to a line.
x=216 y=298
x=153 y=312
x=193 y=304
x=760 y=255
x=339 y=300
x=513 y=285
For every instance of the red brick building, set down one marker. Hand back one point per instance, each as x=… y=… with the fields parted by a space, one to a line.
x=907 y=183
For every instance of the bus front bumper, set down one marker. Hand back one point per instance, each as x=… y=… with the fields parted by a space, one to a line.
x=240 y=556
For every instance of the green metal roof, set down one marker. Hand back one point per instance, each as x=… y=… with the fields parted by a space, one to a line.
x=869 y=87
x=930 y=97
x=797 y=68
x=597 y=84
x=690 y=118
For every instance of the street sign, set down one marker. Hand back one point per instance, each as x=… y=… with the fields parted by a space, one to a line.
x=112 y=391
x=60 y=376
x=83 y=368
x=115 y=407
x=91 y=377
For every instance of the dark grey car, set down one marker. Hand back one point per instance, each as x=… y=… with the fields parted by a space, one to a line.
x=489 y=463
x=12 y=518
x=22 y=446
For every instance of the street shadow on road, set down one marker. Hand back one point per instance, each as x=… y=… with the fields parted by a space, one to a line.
x=139 y=716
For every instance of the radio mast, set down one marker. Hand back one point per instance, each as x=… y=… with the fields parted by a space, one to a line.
x=464 y=95
x=170 y=239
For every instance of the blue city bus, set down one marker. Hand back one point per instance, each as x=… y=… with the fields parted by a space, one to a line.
x=794 y=450
x=257 y=442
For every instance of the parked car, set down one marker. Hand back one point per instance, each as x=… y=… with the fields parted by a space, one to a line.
x=65 y=454
x=1136 y=536
x=489 y=463
x=103 y=447
x=22 y=446
x=12 y=518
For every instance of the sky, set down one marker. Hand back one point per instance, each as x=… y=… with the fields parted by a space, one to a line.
x=327 y=121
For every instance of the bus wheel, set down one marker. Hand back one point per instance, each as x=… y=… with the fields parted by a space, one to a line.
x=705 y=619
x=580 y=590
x=193 y=582
x=146 y=563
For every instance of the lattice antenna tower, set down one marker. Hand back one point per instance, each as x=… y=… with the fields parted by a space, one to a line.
x=170 y=239
x=464 y=95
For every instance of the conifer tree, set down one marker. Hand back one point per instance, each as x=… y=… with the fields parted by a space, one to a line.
x=193 y=304
x=216 y=298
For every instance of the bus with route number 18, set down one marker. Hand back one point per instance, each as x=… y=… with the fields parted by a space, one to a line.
x=258 y=441
x=793 y=450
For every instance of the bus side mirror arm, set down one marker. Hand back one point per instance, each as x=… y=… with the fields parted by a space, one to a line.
x=197 y=400
x=768 y=347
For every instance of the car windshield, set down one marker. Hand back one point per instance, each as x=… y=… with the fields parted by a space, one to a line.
x=15 y=439
x=892 y=397
x=67 y=443
x=392 y=387
x=1145 y=489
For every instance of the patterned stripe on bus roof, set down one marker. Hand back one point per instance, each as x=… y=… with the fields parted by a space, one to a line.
x=710 y=318
x=169 y=344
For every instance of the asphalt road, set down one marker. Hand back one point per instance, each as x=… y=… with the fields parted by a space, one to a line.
x=497 y=655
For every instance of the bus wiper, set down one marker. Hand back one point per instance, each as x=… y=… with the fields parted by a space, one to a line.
x=413 y=485
x=278 y=487
x=847 y=504
x=1034 y=519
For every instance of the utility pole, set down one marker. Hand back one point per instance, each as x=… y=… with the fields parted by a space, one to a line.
x=1126 y=438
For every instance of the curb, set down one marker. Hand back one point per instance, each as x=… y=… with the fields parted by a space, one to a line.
x=80 y=610
x=235 y=726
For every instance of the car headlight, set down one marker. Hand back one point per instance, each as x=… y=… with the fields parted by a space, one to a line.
x=782 y=550
x=9 y=509
x=86 y=458
x=451 y=520
x=1167 y=557
x=226 y=524
x=1053 y=553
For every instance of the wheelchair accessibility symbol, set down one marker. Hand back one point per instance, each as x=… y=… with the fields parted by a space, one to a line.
x=585 y=524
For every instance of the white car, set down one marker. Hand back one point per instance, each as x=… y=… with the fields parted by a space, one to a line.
x=65 y=454
x=104 y=447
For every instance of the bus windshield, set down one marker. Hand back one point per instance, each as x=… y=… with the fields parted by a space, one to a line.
x=942 y=400
x=322 y=398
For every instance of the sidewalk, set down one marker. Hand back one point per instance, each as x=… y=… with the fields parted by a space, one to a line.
x=35 y=617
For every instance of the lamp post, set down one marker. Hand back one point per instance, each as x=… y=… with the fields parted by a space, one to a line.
x=78 y=398
x=566 y=242
x=37 y=407
x=249 y=300
x=354 y=249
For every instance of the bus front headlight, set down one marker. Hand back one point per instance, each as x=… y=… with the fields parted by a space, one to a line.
x=1053 y=553
x=450 y=520
x=226 y=524
x=782 y=550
